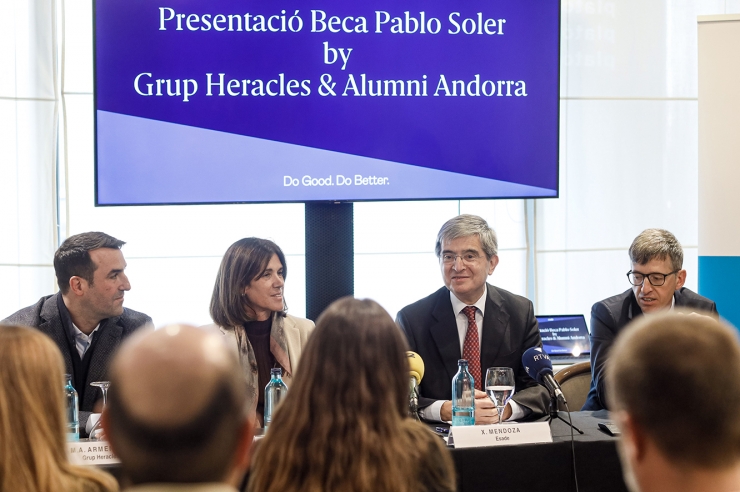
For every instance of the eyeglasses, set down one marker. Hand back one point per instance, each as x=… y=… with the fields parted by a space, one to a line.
x=467 y=258
x=655 y=279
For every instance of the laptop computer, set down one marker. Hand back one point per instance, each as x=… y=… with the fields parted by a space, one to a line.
x=565 y=338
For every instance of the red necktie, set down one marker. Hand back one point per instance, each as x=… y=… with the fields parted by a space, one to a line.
x=471 y=350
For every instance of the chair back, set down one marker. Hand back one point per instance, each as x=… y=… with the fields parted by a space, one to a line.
x=575 y=382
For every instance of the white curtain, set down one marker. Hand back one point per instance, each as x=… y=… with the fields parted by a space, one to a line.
x=28 y=109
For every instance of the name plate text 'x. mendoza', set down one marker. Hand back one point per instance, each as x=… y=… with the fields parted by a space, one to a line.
x=472 y=436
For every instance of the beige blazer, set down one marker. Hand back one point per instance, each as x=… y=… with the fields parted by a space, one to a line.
x=288 y=336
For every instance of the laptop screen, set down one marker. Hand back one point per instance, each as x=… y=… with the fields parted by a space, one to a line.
x=564 y=335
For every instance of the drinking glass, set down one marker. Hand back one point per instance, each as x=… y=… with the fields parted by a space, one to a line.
x=499 y=387
x=103 y=385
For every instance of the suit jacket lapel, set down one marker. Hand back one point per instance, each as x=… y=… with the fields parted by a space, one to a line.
x=496 y=332
x=678 y=296
x=110 y=333
x=54 y=328
x=444 y=333
x=281 y=335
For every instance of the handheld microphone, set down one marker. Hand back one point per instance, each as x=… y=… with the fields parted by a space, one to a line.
x=539 y=367
x=416 y=372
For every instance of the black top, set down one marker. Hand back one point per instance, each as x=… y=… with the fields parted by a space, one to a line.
x=258 y=333
x=80 y=366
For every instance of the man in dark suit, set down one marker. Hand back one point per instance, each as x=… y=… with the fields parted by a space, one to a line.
x=471 y=319
x=86 y=318
x=657 y=277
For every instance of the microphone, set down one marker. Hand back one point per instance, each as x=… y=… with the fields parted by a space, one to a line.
x=416 y=372
x=539 y=367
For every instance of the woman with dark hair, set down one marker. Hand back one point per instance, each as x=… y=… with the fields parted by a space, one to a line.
x=248 y=307
x=343 y=426
x=33 y=427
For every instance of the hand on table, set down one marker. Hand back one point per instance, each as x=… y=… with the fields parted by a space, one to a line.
x=485 y=410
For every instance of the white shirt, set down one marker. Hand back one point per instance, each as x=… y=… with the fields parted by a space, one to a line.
x=82 y=341
x=462 y=319
x=432 y=412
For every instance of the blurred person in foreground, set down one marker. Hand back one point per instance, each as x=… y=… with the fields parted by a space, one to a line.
x=343 y=426
x=249 y=309
x=33 y=455
x=675 y=394
x=176 y=414
x=657 y=282
x=86 y=318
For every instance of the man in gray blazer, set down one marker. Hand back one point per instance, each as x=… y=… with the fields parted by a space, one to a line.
x=86 y=318
x=657 y=277
x=471 y=319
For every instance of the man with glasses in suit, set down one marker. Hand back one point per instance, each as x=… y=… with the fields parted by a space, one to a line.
x=657 y=278
x=86 y=318
x=471 y=319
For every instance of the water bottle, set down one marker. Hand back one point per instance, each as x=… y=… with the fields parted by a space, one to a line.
x=73 y=410
x=463 y=396
x=275 y=391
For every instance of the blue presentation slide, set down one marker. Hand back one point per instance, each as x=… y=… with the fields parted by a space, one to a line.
x=225 y=101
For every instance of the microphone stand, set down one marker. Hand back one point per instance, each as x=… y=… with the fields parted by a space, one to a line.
x=414 y=399
x=555 y=414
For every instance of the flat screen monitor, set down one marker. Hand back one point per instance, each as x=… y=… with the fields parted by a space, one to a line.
x=564 y=335
x=226 y=101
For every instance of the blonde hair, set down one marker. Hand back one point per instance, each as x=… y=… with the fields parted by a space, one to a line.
x=32 y=420
x=344 y=425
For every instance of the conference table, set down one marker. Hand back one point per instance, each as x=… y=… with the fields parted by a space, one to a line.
x=546 y=467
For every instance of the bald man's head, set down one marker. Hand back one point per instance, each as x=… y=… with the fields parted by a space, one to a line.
x=176 y=406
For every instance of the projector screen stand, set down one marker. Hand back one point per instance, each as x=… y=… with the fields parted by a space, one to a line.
x=330 y=255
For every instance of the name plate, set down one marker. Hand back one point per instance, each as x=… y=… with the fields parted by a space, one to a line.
x=473 y=436
x=91 y=453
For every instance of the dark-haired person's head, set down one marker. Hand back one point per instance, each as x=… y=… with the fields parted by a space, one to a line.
x=176 y=409
x=72 y=259
x=90 y=272
x=249 y=284
x=675 y=392
x=350 y=400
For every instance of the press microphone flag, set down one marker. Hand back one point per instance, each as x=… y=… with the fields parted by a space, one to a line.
x=539 y=367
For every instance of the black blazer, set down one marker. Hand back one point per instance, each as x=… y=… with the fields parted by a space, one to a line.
x=608 y=319
x=509 y=328
x=45 y=316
